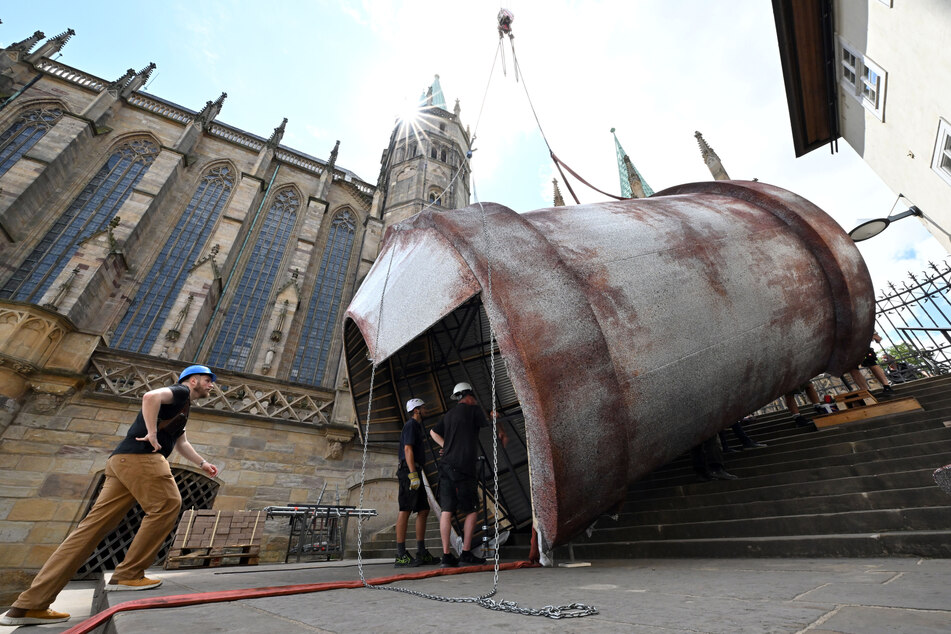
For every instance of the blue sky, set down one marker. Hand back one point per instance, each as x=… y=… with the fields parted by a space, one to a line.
x=657 y=70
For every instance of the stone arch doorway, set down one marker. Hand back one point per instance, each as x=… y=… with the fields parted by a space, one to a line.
x=198 y=492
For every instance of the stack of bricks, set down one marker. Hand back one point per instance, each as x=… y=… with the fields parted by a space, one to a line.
x=208 y=539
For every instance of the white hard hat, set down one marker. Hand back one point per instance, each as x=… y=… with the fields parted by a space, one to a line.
x=413 y=403
x=459 y=389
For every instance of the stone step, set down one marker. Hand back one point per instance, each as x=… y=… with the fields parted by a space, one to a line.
x=911 y=440
x=786 y=430
x=858 y=489
x=931 y=393
x=859 y=500
x=702 y=495
x=807 y=473
x=932 y=544
x=852 y=521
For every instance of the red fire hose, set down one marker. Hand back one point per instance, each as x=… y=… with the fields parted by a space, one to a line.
x=182 y=600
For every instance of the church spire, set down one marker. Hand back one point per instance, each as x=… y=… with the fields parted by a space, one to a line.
x=120 y=83
x=633 y=184
x=433 y=96
x=332 y=161
x=438 y=100
x=23 y=46
x=51 y=46
x=711 y=159
x=210 y=111
x=140 y=79
x=277 y=135
x=559 y=201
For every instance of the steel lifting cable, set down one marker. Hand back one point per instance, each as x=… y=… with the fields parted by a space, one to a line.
x=555 y=612
x=571 y=610
x=558 y=162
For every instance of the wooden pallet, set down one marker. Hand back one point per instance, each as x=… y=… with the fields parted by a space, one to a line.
x=215 y=557
x=894 y=406
x=857 y=398
x=208 y=539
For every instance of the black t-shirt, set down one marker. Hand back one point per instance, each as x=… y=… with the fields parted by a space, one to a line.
x=460 y=431
x=412 y=435
x=171 y=424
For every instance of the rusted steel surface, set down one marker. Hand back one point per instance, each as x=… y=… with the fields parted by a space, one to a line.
x=631 y=330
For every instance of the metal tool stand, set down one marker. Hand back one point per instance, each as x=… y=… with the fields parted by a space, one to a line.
x=316 y=531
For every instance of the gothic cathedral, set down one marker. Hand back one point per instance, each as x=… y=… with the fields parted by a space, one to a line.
x=138 y=236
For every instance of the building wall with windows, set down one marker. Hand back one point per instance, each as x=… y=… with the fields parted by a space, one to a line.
x=138 y=236
x=894 y=99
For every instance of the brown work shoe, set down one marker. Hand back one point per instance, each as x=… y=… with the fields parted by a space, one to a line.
x=133 y=584
x=34 y=617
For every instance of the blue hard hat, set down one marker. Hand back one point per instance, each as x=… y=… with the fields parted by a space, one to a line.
x=196 y=369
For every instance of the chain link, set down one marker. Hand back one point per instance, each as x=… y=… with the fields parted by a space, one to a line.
x=571 y=610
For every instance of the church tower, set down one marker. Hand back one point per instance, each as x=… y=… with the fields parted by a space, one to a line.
x=425 y=163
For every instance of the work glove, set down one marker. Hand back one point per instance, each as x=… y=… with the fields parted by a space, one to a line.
x=414 y=480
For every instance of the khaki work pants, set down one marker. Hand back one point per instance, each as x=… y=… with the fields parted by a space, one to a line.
x=130 y=478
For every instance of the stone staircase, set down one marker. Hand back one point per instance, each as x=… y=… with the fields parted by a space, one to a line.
x=860 y=489
x=382 y=544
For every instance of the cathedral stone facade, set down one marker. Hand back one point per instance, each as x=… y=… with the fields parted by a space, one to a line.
x=138 y=236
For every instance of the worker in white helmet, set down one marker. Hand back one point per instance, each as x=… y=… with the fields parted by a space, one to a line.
x=412 y=495
x=458 y=434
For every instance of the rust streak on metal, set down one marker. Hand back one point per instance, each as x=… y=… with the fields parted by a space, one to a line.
x=632 y=330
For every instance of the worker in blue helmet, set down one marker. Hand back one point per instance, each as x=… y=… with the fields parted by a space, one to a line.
x=196 y=369
x=137 y=471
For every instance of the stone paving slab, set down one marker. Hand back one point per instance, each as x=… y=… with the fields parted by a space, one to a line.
x=657 y=596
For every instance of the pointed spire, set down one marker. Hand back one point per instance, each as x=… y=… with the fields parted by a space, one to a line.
x=333 y=157
x=456 y=110
x=210 y=111
x=437 y=97
x=559 y=201
x=633 y=184
x=24 y=46
x=711 y=159
x=51 y=46
x=118 y=84
x=277 y=135
x=634 y=179
x=140 y=79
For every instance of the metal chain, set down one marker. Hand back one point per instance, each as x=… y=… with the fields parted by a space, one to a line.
x=495 y=414
x=571 y=610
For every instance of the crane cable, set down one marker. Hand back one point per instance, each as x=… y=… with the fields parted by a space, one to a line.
x=558 y=162
x=484 y=600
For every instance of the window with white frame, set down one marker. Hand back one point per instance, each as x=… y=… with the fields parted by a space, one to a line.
x=873 y=80
x=849 y=63
x=941 y=161
x=862 y=79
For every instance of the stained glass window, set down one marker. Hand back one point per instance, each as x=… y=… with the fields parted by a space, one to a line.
x=310 y=361
x=232 y=348
x=149 y=309
x=88 y=214
x=23 y=134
